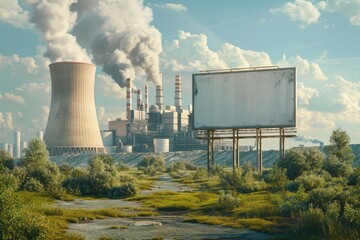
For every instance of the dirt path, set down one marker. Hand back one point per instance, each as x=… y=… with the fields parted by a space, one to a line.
x=160 y=227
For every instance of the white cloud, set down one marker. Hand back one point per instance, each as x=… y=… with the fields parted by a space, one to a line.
x=35 y=87
x=110 y=88
x=6 y=121
x=348 y=94
x=12 y=13
x=304 y=11
x=13 y=98
x=305 y=94
x=304 y=67
x=104 y=116
x=190 y=52
x=312 y=120
x=27 y=65
x=350 y=8
x=20 y=114
x=172 y=6
x=236 y=57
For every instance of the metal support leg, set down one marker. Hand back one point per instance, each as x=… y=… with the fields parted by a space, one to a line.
x=261 y=153
x=212 y=148
x=234 y=149
x=208 y=150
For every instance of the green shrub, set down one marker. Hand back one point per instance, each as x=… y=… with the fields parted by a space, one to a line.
x=277 y=177
x=310 y=181
x=228 y=201
x=33 y=185
x=8 y=180
x=322 y=197
x=126 y=189
x=200 y=173
x=217 y=169
x=241 y=182
x=310 y=223
x=354 y=178
x=294 y=204
x=6 y=161
x=121 y=167
x=152 y=164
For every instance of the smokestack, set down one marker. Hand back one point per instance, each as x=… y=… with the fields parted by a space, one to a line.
x=178 y=99
x=146 y=100
x=40 y=135
x=72 y=126
x=17 y=147
x=159 y=97
x=139 y=99
x=128 y=99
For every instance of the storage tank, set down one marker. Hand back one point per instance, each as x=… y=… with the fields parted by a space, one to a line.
x=161 y=145
x=72 y=125
x=127 y=148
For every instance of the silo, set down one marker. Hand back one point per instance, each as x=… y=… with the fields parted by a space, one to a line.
x=17 y=147
x=72 y=125
x=161 y=145
x=24 y=146
x=11 y=150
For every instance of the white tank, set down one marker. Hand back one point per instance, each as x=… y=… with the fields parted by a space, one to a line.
x=128 y=148
x=161 y=145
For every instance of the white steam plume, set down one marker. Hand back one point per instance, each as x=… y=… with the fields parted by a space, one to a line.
x=54 y=21
x=120 y=37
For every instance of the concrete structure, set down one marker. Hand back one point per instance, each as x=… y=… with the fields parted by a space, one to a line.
x=72 y=125
x=159 y=97
x=40 y=135
x=17 y=146
x=24 y=146
x=11 y=150
x=128 y=98
x=178 y=97
x=146 y=100
x=161 y=145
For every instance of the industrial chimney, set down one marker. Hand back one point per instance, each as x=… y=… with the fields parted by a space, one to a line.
x=72 y=125
x=159 y=97
x=146 y=100
x=139 y=99
x=178 y=99
x=128 y=99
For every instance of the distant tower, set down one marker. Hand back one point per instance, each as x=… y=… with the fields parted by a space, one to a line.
x=146 y=101
x=139 y=99
x=17 y=147
x=40 y=135
x=72 y=125
x=23 y=148
x=10 y=149
x=128 y=99
x=178 y=99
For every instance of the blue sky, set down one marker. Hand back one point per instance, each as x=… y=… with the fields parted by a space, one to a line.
x=320 y=38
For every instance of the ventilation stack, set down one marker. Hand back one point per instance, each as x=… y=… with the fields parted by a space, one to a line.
x=72 y=125
x=159 y=97
x=139 y=99
x=128 y=99
x=146 y=100
x=17 y=146
x=178 y=99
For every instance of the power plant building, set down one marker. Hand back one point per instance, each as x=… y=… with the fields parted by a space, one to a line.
x=72 y=125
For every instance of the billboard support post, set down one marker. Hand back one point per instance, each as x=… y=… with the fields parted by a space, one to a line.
x=212 y=148
x=234 y=149
x=208 y=150
x=237 y=149
x=259 y=150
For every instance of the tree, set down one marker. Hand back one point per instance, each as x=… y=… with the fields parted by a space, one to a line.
x=38 y=166
x=340 y=159
x=296 y=161
x=6 y=161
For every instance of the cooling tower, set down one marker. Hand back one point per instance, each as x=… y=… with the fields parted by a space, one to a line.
x=72 y=125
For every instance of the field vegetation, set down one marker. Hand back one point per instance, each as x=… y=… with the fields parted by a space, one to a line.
x=310 y=194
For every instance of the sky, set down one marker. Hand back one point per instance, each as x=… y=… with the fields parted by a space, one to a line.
x=320 y=38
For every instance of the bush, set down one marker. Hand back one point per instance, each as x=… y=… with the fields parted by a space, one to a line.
x=241 y=182
x=295 y=203
x=296 y=161
x=277 y=177
x=310 y=181
x=152 y=164
x=200 y=173
x=217 y=169
x=228 y=201
x=33 y=185
x=6 y=161
x=354 y=178
x=16 y=223
x=8 y=180
x=310 y=223
x=121 y=167
x=124 y=190
x=322 y=197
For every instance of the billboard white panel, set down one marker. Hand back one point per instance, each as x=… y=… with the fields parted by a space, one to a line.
x=263 y=98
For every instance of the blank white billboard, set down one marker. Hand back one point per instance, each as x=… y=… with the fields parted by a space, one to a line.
x=263 y=98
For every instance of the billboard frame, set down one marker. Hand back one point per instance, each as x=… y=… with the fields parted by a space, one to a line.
x=237 y=70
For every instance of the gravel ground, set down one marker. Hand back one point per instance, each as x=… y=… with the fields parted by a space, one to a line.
x=171 y=228
x=168 y=226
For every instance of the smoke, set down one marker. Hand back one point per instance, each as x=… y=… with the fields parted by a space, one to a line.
x=307 y=140
x=117 y=33
x=54 y=21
